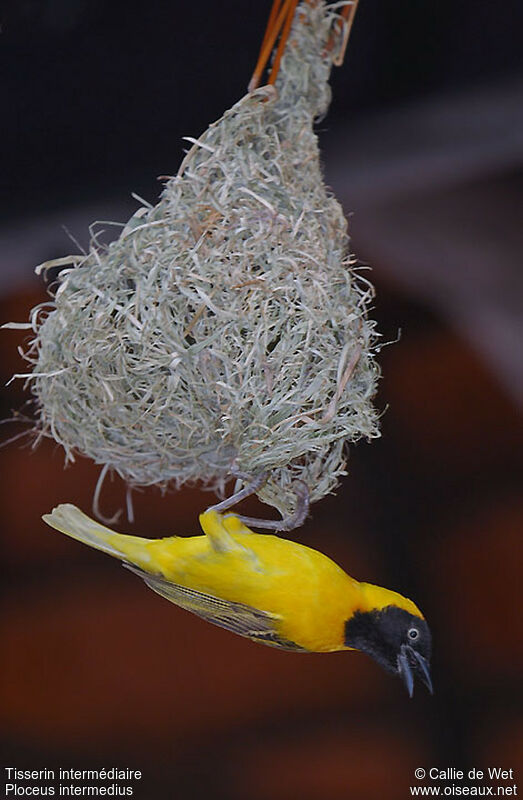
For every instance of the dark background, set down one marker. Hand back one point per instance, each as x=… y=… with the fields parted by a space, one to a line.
x=423 y=143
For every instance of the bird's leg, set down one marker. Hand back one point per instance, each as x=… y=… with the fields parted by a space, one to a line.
x=248 y=489
x=279 y=23
x=286 y=523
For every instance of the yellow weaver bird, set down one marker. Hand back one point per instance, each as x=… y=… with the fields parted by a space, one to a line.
x=268 y=589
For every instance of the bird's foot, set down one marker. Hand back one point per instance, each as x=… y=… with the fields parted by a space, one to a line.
x=287 y=523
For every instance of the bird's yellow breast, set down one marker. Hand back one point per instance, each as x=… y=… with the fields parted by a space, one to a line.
x=259 y=585
x=310 y=594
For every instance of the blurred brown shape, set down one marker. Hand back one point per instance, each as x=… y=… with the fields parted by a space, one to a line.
x=331 y=763
x=499 y=743
x=476 y=572
x=104 y=658
x=444 y=398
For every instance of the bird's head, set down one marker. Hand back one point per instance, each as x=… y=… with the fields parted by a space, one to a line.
x=394 y=634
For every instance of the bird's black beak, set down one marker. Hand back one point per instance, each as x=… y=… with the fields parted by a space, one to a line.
x=410 y=664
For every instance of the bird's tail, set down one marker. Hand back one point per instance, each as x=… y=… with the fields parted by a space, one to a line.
x=68 y=519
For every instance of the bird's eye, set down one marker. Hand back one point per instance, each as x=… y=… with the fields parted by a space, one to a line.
x=413 y=634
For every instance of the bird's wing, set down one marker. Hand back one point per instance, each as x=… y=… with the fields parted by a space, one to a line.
x=236 y=617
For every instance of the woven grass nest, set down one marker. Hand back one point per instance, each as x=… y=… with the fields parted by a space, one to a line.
x=225 y=329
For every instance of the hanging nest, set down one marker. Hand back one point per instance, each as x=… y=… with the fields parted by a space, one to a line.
x=224 y=330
